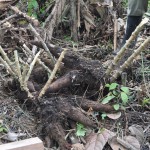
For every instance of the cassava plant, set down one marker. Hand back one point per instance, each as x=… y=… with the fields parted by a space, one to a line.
x=118 y=94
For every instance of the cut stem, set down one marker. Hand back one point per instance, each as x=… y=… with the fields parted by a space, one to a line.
x=124 y=48
x=57 y=65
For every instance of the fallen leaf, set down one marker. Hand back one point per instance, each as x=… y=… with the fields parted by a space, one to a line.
x=11 y=136
x=135 y=145
x=137 y=131
x=129 y=142
x=115 y=145
x=78 y=146
x=96 y=141
x=114 y=116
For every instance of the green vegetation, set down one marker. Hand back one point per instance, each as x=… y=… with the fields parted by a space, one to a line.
x=32 y=8
x=146 y=102
x=2 y=128
x=81 y=130
x=119 y=95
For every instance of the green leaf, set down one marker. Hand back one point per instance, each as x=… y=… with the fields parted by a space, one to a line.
x=125 y=89
x=124 y=97
x=114 y=93
x=32 y=6
x=81 y=130
x=104 y=116
x=1 y=129
x=107 y=99
x=116 y=106
x=146 y=101
x=113 y=86
x=107 y=85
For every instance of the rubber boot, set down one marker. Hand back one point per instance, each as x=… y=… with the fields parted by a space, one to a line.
x=132 y=23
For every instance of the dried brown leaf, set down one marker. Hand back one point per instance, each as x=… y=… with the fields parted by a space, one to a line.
x=96 y=141
x=135 y=145
x=115 y=145
x=114 y=116
x=137 y=131
x=129 y=142
x=78 y=146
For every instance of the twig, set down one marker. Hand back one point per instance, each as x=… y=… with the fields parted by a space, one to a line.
x=32 y=20
x=130 y=59
x=8 y=18
x=7 y=59
x=7 y=67
x=124 y=48
x=147 y=90
x=52 y=20
x=38 y=60
x=52 y=74
x=74 y=27
x=18 y=68
x=24 y=72
x=115 y=31
x=31 y=67
x=43 y=43
x=26 y=78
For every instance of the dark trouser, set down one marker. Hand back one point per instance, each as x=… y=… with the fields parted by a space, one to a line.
x=132 y=23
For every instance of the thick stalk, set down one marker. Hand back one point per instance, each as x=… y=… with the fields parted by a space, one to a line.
x=7 y=67
x=130 y=59
x=18 y=69
x=126 y=46
x=7 y=59
x=57 y=65
x=31 y=67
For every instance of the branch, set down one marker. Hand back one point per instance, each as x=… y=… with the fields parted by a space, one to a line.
x=7 y=59
x=52 y=74
x=43 y=43
x=32 y=20
x=7 y=67
x=8 y=18
x=115 y=31
x=31 y=67
x=38 y=60
x=18 y=68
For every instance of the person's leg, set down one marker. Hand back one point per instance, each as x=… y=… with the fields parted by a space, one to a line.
x=132 y=23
